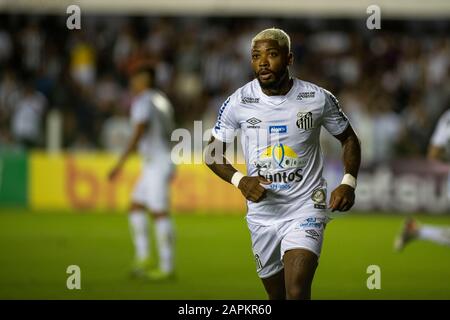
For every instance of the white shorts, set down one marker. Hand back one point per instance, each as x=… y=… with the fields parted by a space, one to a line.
x=152 y=188
x=269 y=243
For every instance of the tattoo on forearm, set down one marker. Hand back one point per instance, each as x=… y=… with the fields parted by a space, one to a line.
x=352 y=155
x=217 y=162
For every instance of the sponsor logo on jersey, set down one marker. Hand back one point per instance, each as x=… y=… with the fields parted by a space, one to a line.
x=305 y=120
x=278 y=129
x=276 y=157
x=253 y=123
x=246 y=100
x=306 y=95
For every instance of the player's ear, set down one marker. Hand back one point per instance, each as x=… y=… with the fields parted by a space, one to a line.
x=290 y=59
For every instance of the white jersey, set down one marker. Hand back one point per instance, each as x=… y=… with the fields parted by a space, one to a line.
x=441 y=135
x=27 y=116
x=154 y=108
x=280 y=141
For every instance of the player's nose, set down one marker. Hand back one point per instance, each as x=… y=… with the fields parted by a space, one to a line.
x=263 y=63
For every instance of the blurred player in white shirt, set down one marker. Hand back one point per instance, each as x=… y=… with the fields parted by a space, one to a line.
x=27 y=116
x=280 y=119
x=152 y=119
x=439 y=150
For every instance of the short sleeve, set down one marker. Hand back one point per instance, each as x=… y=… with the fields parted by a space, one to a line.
x=442 y=132
x=226 y=125
x=333 y=118
x=141 y=111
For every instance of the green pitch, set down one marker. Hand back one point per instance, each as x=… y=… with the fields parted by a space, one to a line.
x=214 y=259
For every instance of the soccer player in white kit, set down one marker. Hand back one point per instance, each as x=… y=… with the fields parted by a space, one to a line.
x=280 y=118
x=438 y=150
x=152 y=119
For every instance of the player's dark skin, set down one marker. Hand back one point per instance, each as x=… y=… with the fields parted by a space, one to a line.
x=270 y=63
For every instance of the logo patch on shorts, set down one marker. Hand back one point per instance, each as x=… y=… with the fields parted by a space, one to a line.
x=319 y=197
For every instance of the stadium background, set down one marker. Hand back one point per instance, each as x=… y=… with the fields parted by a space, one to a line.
x=57 y=208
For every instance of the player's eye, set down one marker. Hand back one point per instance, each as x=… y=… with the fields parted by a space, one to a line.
x=273 y=54
x=255 y=56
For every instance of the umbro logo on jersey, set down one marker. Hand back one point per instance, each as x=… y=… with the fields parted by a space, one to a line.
x=305 y=120
x=246 y=100
x=306 y=95
x=253 y=121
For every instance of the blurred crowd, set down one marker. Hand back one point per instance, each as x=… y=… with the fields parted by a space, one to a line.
x=393 y=83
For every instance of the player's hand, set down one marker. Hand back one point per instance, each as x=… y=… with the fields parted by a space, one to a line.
x=112 y=175
x=252 y=189
x=342 y=198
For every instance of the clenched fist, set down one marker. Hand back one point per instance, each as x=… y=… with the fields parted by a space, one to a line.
x=342 y=198
x=252 y=189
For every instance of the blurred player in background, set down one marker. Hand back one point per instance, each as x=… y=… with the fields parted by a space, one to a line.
x=152 y=118
x=439 y=150
x=280 y=118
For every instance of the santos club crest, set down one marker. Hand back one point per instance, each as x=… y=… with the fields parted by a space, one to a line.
x=305 y=120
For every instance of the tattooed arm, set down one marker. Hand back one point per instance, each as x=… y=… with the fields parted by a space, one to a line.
x=215 y=159
x=343 y=197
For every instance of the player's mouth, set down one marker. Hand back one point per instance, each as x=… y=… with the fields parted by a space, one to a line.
x=265 y=75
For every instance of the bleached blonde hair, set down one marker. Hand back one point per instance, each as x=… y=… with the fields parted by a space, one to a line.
x=278 y=35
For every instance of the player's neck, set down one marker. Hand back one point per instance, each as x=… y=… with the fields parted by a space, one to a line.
x=282 y=89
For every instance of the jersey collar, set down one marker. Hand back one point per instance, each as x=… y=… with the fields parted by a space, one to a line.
x=276 y=100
